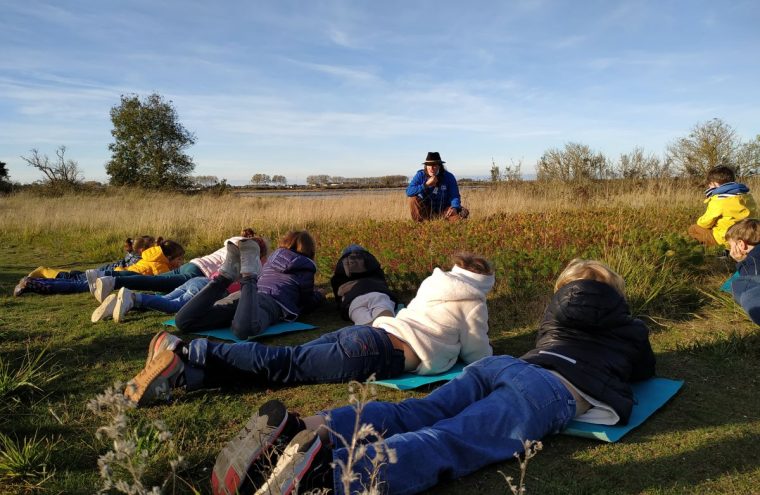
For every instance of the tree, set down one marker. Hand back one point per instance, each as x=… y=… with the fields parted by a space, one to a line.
x=59 y=173
x=260 y=179
x=638 y=165
x=149 y=144
x=495 y=174
x=206 y=180
x=748 y=157
x=708 y=145
x=280 y=180
x=575 y=162
x=5 y=180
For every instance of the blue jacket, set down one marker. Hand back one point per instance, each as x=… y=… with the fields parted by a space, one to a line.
x=750 y=265
x=746 y=292
x=445 y=194
x=288 y=277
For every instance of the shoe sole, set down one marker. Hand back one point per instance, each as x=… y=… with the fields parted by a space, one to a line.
x=120 y=310
x=100 y=291
x=104 y=311
x=158 y=371
x=156 y=345
x=232 y=470
x=92 y=278
x=293 y=465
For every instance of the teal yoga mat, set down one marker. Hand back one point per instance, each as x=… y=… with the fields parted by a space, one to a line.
x=409 y=381
x=726 y=287
x=226 y=333
x=650 y=395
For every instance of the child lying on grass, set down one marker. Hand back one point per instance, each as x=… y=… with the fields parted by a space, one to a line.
x=743 y=238
x=588 y=350
x=446 y=321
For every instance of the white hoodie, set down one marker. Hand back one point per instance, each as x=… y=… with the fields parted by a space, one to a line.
x=211 y=263
x=447 y=320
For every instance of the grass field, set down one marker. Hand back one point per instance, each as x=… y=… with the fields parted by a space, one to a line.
x=704 y=441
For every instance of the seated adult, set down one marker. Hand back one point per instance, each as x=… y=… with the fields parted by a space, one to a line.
x=433 y=192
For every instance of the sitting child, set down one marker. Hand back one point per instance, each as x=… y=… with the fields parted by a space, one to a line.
x=359 y=286
x=588 y=350
x=45 y=280
x=727 y=203
x=742 y=238
x=446 y=321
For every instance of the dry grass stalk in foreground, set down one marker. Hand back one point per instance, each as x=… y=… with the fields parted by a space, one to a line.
x=532 y=447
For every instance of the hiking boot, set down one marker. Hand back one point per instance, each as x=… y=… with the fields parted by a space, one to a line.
x=92 y=277
x=162 y=341
x=246 y=460
x=250 y=262
x=125 y=300
x=230 y=268
x=155 y=382
x=103 y=287
x=302 y=467
x=20 y=287
x=105 y=310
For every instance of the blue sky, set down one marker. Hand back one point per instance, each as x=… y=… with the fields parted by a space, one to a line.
x=366 y=88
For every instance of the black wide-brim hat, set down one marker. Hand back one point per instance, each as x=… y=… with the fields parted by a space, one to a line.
x=433 y=157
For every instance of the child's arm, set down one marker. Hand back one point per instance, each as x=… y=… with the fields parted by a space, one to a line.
x=474 y=340
x=711 y=215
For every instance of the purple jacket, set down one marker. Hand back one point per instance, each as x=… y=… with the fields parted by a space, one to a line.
x=288 y=277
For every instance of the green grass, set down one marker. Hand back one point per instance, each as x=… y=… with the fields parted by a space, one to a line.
x=704 y=441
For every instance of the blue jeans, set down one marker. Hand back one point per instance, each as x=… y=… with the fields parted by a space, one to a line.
x=746 y=292
x=165 y=282
x=479 y=418
x=351 y=353
x=56 y=285
x=173 y=301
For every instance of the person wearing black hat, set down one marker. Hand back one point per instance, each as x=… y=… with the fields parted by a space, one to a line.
x=433 y=192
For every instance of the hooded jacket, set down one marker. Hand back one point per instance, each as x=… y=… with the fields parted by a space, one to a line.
x=152 y=262
x=288 y=277
x=357 y=273
x=446 y=320
x=588 y=336
x=726 y=205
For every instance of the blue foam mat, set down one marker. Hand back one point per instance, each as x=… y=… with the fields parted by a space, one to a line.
x=650 y=395
x=409 y=381
x=226 y=333
x=726 y=287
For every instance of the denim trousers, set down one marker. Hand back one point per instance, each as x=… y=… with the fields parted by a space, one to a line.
x=165 y=282
x=56 y=285
x=173 y=301
x=351 y=353
x=247 y=312
x=746 y=292
x=479 y=418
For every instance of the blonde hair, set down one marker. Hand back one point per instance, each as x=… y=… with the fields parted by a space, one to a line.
x=580 y=269
x=747 y=230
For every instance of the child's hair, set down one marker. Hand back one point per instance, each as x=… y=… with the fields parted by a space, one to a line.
x=580 y=269
x=473 y=263
x=248 y=232
x=143 y=242
x=747 y=230
x=172 y=250
x=263 y=246
x=721 y=175
x=301 y=242
x=128 y=245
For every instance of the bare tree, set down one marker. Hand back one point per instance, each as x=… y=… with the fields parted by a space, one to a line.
x=708 y=145
x=638 y=165
x=260 y=179
x=575 y=162
x=206 y=180
x=748 y=157
x=59 y=172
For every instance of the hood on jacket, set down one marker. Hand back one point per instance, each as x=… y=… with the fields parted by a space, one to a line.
x=153 y=255
x=589 y=305
x=457 y=285
x=727 y=189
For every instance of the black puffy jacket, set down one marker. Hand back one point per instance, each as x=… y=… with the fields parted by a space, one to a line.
x=357 y=273
x=589 y=337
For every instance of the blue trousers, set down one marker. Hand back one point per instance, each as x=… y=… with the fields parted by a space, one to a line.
x=165 y=282
x=479 y=418
x=175 y=300
x=351 y=353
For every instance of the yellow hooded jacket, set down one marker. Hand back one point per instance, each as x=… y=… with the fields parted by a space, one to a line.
x=153 y=262
x=725 y=210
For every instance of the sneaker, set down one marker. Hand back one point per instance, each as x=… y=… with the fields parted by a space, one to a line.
x=125 y=300
x=105 y=310
x=245 y=462
x=20 y=287
x=250 y=261
x=156 y=380
x=162 y=341
x=303 y=466
x=103 y=287
x=92 y=277
x=230 y=268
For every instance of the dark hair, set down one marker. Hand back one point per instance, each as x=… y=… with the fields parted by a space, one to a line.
x=171 y=249
x=747 y=230
x=473 y=263
x=263 y=245
x=301 y=242
x=441 y=168
x=143 y=242
x=248 y=232
x=721 y=174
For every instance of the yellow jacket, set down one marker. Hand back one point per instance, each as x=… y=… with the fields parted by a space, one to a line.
x=725 y=210
x=153 y=262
